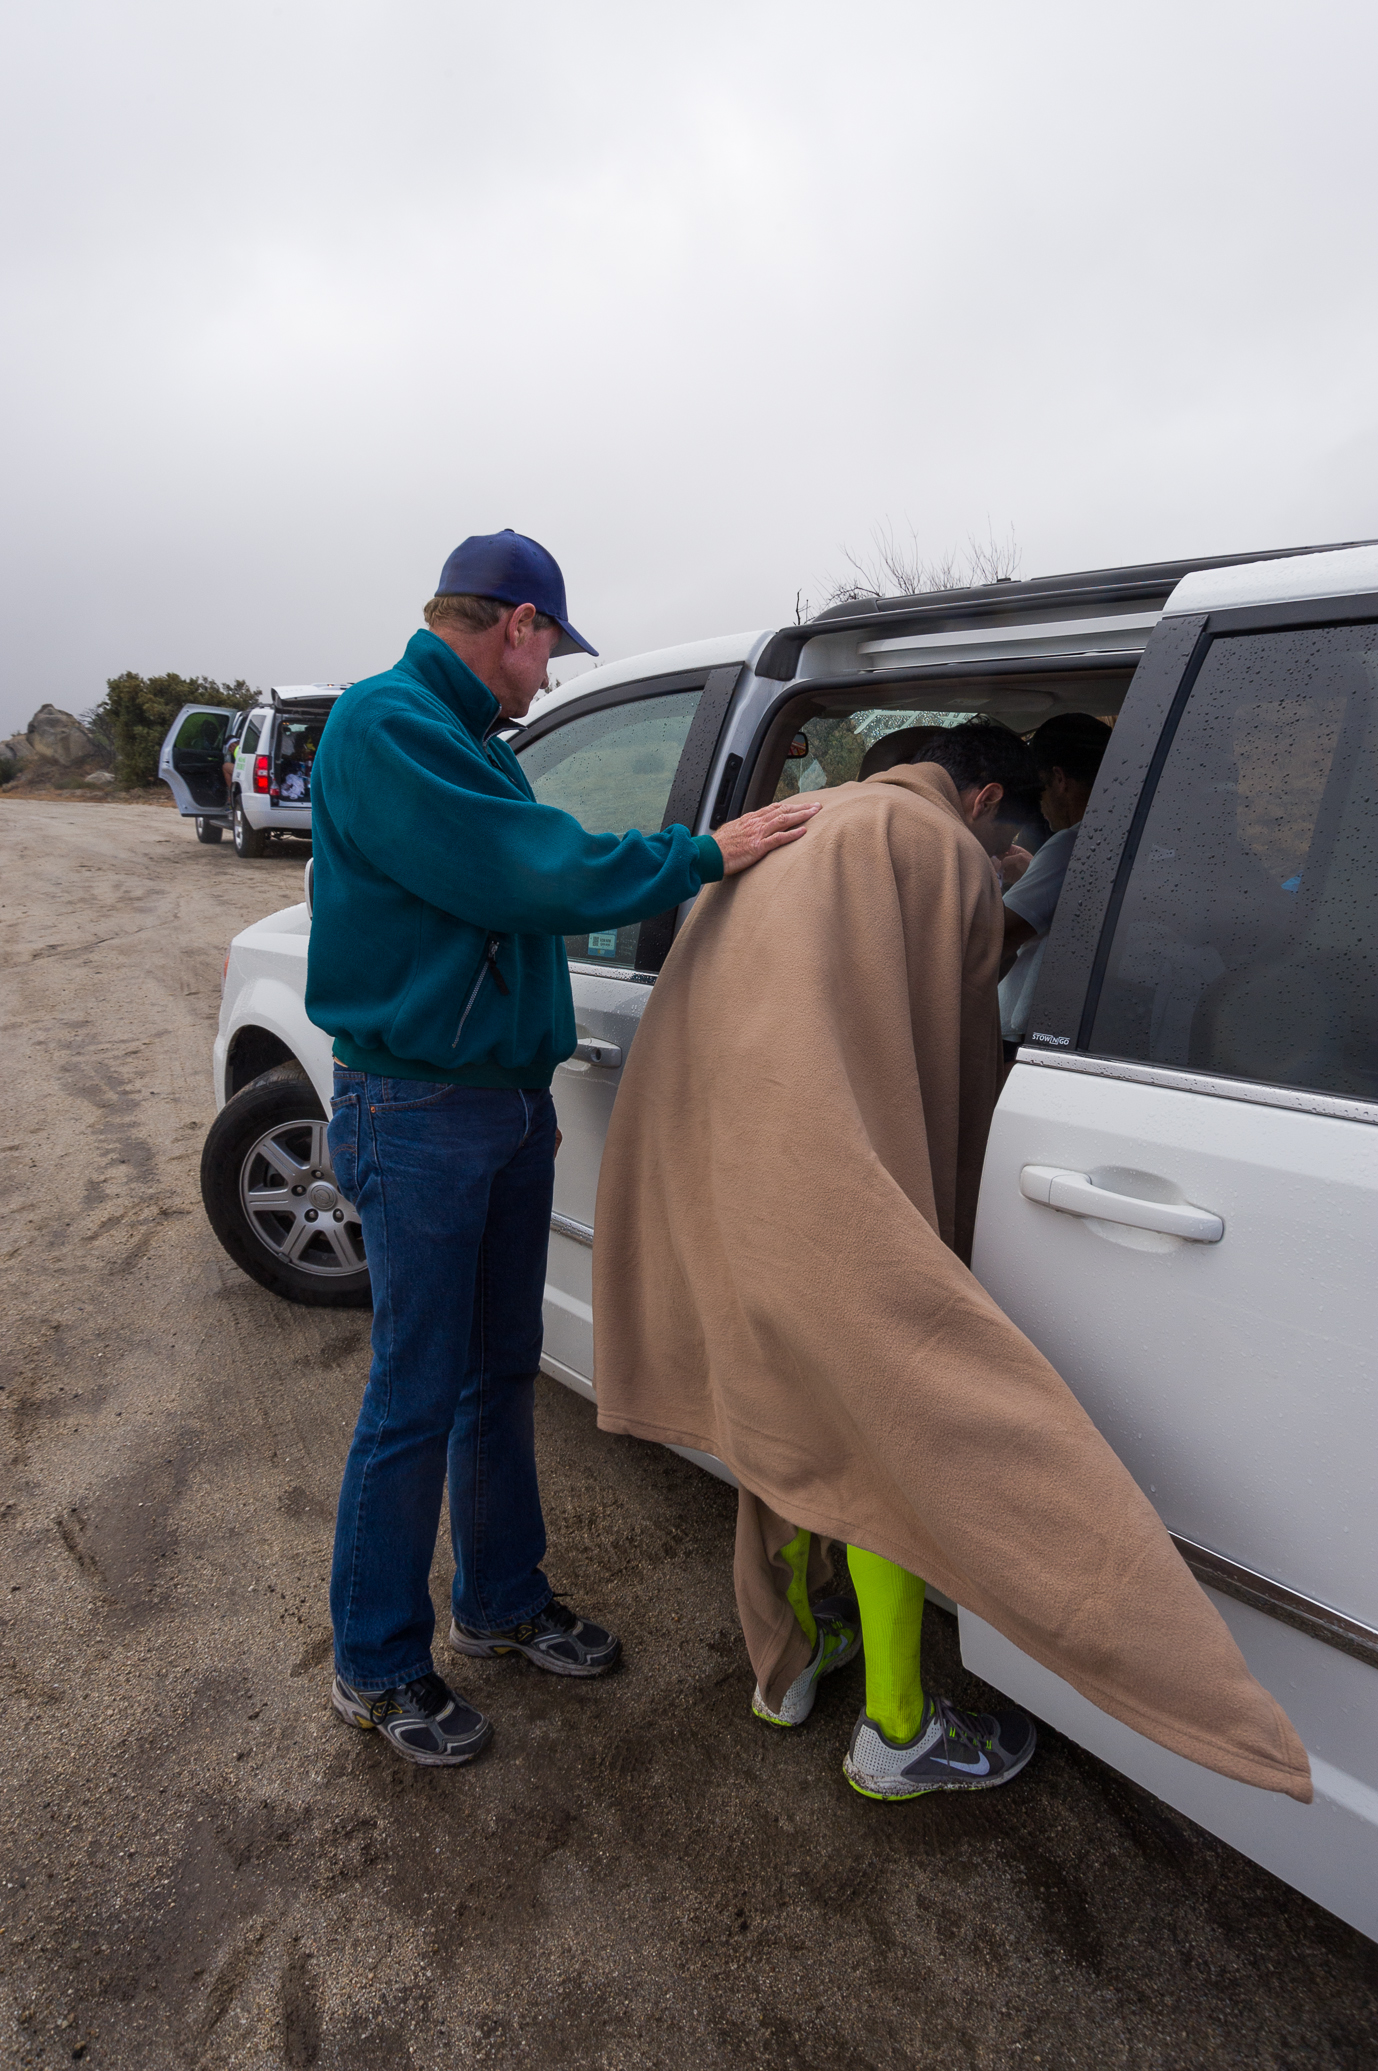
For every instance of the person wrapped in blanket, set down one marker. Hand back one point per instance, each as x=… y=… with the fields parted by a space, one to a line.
x=797 y=1302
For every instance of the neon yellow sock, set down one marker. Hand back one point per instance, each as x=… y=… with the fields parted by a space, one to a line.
x=795 y=1555
x=891 y=1601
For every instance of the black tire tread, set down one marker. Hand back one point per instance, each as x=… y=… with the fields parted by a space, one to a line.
x=250 y=842
x=283 y=1094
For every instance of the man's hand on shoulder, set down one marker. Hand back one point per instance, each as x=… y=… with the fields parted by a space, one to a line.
x=744 y=842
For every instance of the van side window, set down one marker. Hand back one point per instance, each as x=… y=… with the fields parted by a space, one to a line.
x=249 y=742
x=1247 y=943
x=613 y=771
x=203 y=730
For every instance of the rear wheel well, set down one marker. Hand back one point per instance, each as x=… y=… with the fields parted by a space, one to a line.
x=253 y=1051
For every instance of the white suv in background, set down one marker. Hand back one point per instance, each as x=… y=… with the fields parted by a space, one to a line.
x=269 y=751
x=1179 y=1201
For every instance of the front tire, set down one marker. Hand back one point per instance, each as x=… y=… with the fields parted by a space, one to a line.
x=248 y=841
x=209 y=831
x=271 y=1197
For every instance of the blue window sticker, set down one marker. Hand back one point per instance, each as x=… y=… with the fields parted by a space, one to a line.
x=604 y=944
x=1292 y=884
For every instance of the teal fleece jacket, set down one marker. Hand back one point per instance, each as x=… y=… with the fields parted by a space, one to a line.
x=442 y=888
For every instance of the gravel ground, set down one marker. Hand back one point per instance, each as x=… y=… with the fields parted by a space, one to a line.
x=201 y=1867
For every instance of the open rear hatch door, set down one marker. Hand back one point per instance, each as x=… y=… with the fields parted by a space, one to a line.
x=302 y=709
x=306 y=701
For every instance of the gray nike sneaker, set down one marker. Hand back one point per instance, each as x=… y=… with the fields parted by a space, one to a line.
x=839 y=1641
x=952 y=1751
x=553 y=1639
x=424 y=1721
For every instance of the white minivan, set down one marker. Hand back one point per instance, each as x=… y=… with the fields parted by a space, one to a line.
x=249 y=771
x=1179 y=1202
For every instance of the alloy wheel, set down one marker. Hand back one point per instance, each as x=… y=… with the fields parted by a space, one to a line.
x=288 y=1191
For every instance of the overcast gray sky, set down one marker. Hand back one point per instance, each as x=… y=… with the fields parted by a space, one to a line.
x=297 y=295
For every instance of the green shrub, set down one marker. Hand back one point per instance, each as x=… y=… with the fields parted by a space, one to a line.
x=138 y=710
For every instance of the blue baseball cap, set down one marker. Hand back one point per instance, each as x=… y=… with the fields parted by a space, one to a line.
x=515 y=570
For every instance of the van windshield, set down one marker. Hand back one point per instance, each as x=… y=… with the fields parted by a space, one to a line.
x=829 y=750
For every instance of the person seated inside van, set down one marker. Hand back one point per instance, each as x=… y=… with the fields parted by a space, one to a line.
x=229 y=751
x=1067 y=750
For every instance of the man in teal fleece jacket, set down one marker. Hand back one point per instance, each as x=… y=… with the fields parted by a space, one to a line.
x=442 y=890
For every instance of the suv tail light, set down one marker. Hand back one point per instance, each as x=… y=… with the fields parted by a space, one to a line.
x=260 y=773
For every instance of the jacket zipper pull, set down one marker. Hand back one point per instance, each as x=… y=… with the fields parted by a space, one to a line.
x=491 y=953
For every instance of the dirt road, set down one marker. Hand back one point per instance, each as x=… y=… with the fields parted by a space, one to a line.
x=201 y=1867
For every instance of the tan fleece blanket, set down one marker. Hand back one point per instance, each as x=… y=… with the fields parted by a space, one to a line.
x=786 y=1198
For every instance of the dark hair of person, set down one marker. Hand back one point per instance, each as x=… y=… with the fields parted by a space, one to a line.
x=893 y=748
x=982 y=751
x=1073 y=742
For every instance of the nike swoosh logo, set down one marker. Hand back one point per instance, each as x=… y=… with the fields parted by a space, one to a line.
x=980 y=1767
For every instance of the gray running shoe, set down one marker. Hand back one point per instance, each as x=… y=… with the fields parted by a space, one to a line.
x=424 y=1721
x=554 y=1639
x=839 y=1641
x=952 y=1751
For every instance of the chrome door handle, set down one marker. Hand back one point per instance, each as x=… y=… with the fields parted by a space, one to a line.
x=593 y=1051
x=1075 y=1193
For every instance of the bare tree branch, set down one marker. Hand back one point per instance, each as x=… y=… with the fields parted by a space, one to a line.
x=897 y=568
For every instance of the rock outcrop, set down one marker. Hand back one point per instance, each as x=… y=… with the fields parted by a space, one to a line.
x=52 y=737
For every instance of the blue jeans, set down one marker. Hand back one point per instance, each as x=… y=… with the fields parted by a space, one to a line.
x=453 y=1185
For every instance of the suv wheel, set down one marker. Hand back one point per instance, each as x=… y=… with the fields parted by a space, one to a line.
x=209 y=830
x=271 y=1196
x=248 y=841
